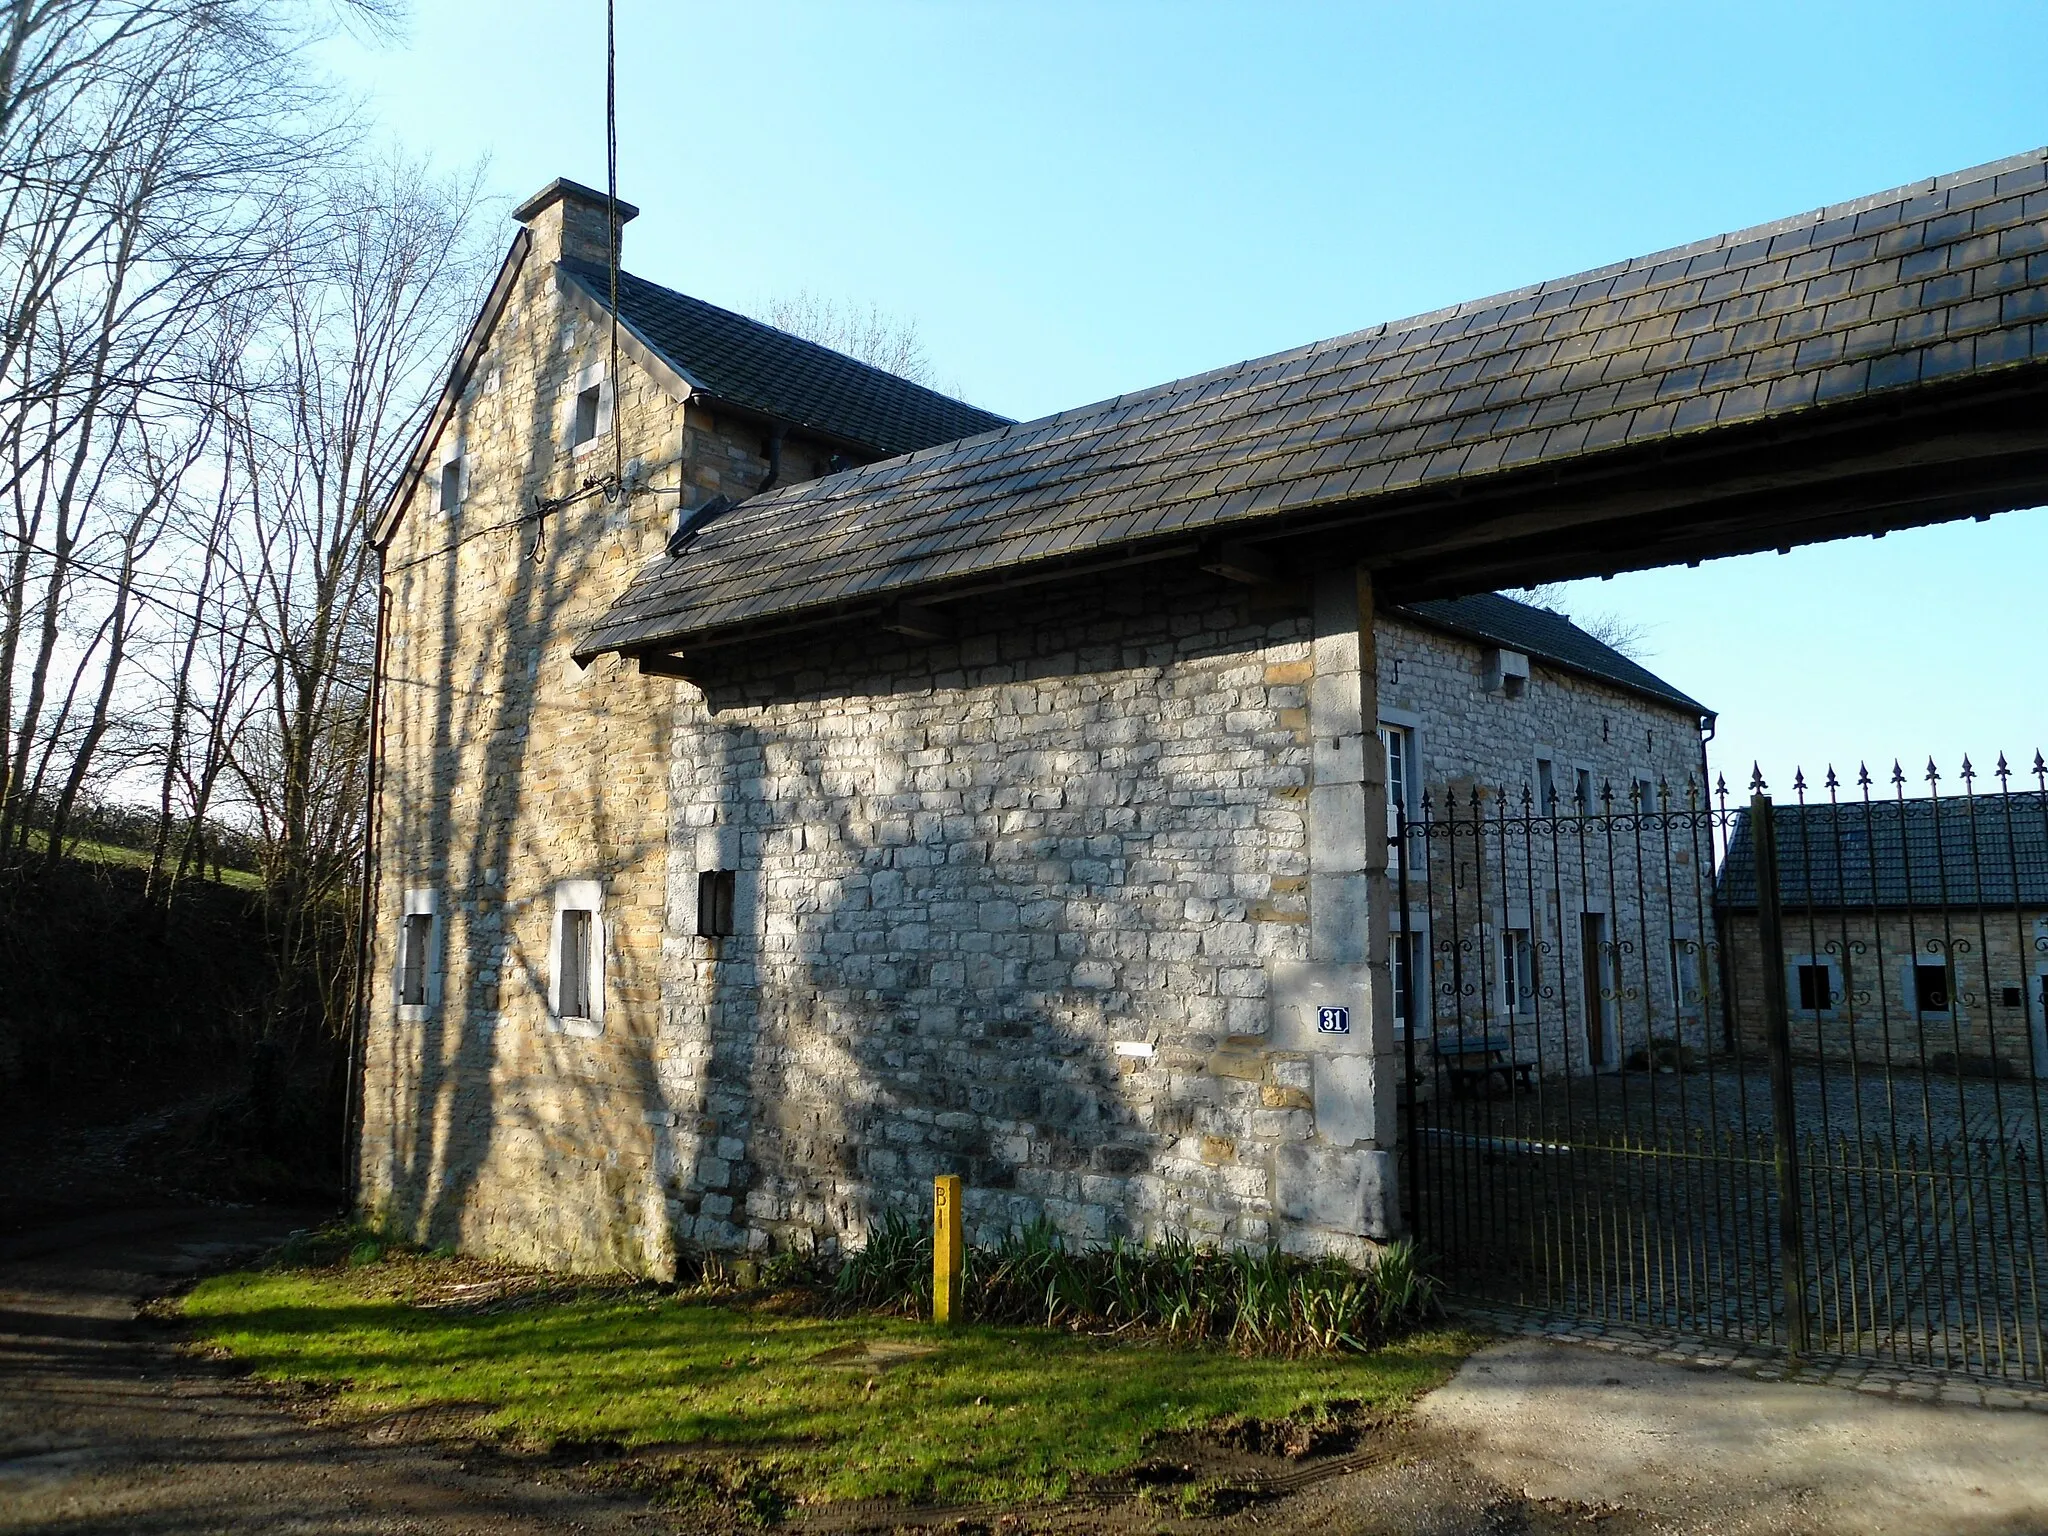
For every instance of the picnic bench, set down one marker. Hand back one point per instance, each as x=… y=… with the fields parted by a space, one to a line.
x=1470 y=1061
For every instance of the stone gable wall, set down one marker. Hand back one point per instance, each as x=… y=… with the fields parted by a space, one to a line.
x=507 y=770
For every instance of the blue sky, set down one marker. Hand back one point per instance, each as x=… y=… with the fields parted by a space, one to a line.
x=1075 y=200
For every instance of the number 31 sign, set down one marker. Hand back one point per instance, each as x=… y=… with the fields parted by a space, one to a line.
x=1333 y=1021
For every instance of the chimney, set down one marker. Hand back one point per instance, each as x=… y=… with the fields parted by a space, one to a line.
x=568 y=222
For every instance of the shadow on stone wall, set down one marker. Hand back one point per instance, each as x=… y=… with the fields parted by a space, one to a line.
x=949 y=1000
x=534 y=1146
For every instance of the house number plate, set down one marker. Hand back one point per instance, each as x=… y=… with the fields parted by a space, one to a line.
x=1333 y=1021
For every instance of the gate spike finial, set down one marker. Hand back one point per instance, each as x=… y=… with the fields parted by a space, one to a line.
x=1799 y=781
x=1969 y=773
x=1898 y=773
x=1933 y=774
x=2004 y=770
x=1863 y=774
x=1833 y=782
x=2039 y=766
x=1756 y=778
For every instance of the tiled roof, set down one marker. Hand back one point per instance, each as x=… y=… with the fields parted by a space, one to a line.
x=1547 y=636
x=746 y=363
x=1927 y=283
x=1978 y=851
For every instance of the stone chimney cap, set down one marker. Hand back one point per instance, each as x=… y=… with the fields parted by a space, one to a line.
x=562 y=189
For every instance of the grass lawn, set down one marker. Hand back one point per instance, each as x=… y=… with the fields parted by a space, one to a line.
x=989 y=1414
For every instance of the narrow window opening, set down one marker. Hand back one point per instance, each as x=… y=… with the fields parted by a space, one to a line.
x=585 y=427
x=1546 y=787
x=715 y=889
x=1816 y=988
x=451 y=484
x=577 y=968
x=1583 y=794
x=417 y=936
x=1408 y=961
x=1517 y=971
x=1930 y=988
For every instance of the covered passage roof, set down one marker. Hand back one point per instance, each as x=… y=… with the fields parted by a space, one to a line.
x=1873 y=364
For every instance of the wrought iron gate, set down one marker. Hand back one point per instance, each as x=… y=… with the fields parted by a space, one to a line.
x=1769 y=1072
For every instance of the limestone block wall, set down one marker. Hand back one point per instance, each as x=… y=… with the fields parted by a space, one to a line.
x=1006 y=906
x=508 y=771
x=1997 y=965
x=1647 y=881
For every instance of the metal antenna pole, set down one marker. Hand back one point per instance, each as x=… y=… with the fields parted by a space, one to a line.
x=611 y=211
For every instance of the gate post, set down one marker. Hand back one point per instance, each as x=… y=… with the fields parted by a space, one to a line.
x=1770 y=928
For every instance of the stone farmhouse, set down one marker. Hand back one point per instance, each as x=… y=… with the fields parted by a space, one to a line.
x=793 y=783
x=1915 y=932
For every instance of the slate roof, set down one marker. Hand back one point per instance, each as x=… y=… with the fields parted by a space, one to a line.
x=1927 y=282
x=755 y=366
x=1976 y=851
x=1546 y=635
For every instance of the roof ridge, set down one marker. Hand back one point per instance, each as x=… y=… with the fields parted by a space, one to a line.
x=583 y=269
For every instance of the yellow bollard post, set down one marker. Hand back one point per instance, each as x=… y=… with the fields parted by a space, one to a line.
x=948 y=1248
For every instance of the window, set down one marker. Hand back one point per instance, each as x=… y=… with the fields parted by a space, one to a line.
x=1685 y=975
x=576 y=967
x=451 y=484
x=417 y=939
x=1930 y=988
x=584 y=427
x=1646 y=792
x=576 y=959
x=590 y=408
x=1399 y=741
x=715 y=889
x=418 y=979
x=1814 y=985
x=1517 y=971
x=1582 y=792
x=1408 y=954
x=1546 y=787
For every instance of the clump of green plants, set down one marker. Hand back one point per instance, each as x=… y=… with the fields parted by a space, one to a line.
x=1256 y=1300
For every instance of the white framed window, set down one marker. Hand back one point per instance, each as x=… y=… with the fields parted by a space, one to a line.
x=1813 y=985
x=451 y=484
x=1517 y=971
x=416 y=974
x=1546 y=785
x=1408 y=973
x=1397 y=738
x=1688 y=973
x=589 y=409
x=576 y=955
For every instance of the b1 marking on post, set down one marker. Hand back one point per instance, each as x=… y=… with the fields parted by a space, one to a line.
x=1333 y=1021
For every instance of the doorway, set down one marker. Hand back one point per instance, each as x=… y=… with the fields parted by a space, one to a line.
x=1593 y=970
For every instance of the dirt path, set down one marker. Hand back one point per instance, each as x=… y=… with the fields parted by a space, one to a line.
x=104 y=1426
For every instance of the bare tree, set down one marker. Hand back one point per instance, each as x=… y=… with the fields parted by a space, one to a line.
x=867 y=333
x=151 y=150
x=1614 y=630
x=365 y=317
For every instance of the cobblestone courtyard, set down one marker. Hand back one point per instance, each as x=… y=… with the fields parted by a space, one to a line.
x=1652 y=1200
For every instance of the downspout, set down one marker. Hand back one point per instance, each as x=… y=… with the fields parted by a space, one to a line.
x=359 y=1029
x=774 y=459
